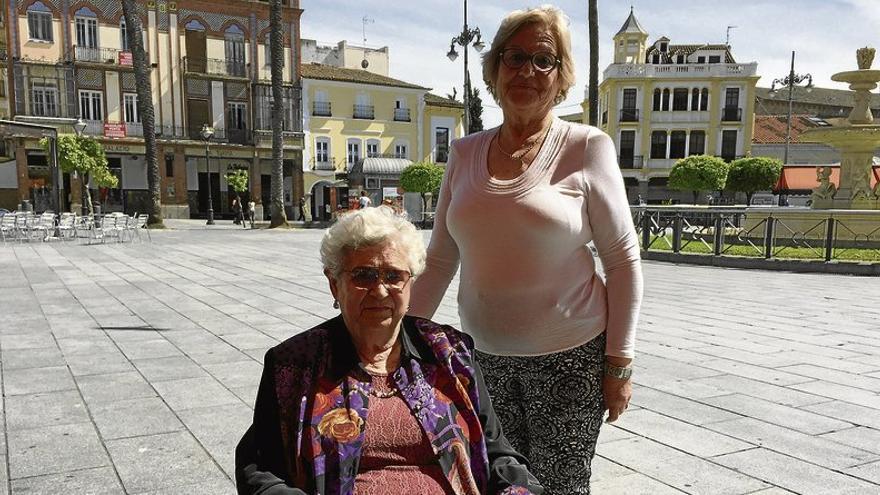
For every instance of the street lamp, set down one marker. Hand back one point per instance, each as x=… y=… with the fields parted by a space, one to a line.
x=790 y=81
x=79 y=127
x=465 y=38
x=207 y=133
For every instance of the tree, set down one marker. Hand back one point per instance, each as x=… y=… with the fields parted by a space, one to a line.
x=698 y=173
x=237 y=179
x=86 y=157
x=134 y=32
x=753 y=174
x=422 y=177
x=476 y=107
x=593 y=87
x=276 y=49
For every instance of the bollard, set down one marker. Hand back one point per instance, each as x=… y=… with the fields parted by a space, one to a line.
x=829 y=239
x=769 y=234
x=676 y=233
x=646 y=230
x=719 y=234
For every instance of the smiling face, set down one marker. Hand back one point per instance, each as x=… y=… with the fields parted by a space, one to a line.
x=373 y=314
x=525 y=90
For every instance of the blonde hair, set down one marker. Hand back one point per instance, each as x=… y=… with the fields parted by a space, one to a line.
x=546 y=16
x=368 y=227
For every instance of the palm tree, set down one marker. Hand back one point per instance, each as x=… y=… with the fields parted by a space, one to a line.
x=593 y=18
x=276 y=48
x=135 y=35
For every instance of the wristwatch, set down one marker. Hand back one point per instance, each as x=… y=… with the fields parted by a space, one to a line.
x=619 y=372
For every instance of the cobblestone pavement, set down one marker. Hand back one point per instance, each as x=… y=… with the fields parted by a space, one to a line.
x=133 y=368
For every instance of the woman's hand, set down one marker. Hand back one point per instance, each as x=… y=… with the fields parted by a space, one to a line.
x=615 y=391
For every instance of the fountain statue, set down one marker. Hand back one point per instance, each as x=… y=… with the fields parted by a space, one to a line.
x=856 y=141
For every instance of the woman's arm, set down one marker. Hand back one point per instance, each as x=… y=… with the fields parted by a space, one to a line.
x=442 y=256
x=259 y=456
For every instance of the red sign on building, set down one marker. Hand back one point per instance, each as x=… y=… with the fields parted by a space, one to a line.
x=114 y=129
x=125 y=58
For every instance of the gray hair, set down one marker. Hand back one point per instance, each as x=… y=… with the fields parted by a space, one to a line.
x=546 y=16
x=368 y=227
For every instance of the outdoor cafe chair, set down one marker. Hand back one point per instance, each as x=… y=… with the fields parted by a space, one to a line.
x=142 y=224
x=8 y=230
x=67 y=226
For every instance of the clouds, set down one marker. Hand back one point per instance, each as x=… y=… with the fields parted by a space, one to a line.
x=825 y=34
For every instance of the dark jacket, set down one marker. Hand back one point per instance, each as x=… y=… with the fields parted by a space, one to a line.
x=309 y=419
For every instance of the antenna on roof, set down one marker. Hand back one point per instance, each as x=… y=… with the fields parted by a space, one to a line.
x=728 y=34
x=364 y=21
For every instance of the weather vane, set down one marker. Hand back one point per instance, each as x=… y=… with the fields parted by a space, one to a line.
x=364 y=21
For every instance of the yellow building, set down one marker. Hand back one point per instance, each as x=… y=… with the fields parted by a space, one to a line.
x=71 y=60
x=362 y=129
x=661 y=102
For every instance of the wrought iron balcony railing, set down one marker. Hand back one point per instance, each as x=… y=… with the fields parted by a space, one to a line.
x=327 y=163
x=629 y=115
x=109 y=56
x=401 y=114
x=322 y=109
x=213 y=66
x=731 y=114
x=364 y=112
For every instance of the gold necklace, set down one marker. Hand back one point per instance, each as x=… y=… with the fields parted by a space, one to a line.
x=520 y=154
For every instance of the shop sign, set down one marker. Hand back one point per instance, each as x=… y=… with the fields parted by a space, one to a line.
x=125 y=58
x=114 y=129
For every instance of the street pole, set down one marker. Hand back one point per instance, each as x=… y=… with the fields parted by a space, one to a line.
x=790 y=81
x=208 y=167
x=467 y=78
x=788 y=121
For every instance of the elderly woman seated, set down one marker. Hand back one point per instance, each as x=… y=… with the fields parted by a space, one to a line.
x=374 y=401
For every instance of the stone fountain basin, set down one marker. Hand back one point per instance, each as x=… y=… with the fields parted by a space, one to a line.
x=852 y=137
x=857 y=76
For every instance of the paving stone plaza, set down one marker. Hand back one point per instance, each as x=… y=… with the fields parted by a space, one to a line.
x=132 y=368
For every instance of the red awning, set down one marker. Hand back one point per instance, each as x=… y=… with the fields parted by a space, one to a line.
x=803 y=177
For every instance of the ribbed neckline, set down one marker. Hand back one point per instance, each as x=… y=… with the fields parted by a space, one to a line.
x=526 y=180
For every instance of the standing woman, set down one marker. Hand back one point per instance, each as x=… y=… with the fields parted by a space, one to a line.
x=517 y=207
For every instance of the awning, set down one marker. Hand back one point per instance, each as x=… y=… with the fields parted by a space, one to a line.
x=380 y=166
x=804 y=177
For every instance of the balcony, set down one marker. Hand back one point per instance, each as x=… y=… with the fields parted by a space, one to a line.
x=364 y=112
x=626 y=71
x=324 y=163
x=629 y=115
x=401 y=114
x=108 y=56
x=321 y=109
x=630 y=162
x=135 y=129
x=731 y=114
x=215 y=67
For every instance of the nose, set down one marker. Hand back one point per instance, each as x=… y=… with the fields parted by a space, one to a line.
x=527 y=69
x=379 y=290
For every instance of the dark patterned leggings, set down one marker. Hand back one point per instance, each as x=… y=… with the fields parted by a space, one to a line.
x=551 y=408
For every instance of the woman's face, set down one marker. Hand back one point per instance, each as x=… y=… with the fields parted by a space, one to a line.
x=526 y=90
x=372 y=309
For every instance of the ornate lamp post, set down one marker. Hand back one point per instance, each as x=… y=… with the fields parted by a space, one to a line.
x=79 y=127
x=790 y=81
x=465 y=38
x=207 y=133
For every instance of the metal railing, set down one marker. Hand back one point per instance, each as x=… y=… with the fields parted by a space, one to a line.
x=731 y=114
x=401 y=114
x=629 y=115
x=328 y=164
x=322 y=109
x=231 y=68
x=823 y=235
x=110 y=56
x=630 y=162
x=364 y=112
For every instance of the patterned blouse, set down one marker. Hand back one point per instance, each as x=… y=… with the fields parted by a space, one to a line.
x=312 y=407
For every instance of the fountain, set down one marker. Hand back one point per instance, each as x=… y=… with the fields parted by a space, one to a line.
x=856 y=141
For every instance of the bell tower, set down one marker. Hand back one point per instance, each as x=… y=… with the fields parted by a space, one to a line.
x=630 y=43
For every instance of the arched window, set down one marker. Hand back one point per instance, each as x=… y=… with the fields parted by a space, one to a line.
x=39 y=22
x=695 y=99
x=657 y=99
x=194 y=25
x=86 y=23
x=373 y=148
x=235 y=58
x=704 y=100
x=666 y=99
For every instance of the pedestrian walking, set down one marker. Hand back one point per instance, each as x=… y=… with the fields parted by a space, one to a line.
x=554 y=338
x=236 y=211
x=364 y=201
x=252 y=212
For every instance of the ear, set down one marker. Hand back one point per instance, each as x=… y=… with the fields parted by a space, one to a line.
x=333 y=288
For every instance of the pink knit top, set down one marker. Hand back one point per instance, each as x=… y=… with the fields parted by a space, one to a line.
x=528 y=282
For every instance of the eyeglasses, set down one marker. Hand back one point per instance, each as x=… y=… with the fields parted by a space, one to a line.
x=367 y=277
x=544 y=62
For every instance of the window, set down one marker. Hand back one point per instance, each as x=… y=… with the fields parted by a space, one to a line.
x=656 y=58
x=169 y=165
x=237 y=111
x=657 y=100
x=714 y=59
x=664 y=47
x=268 y=48
x=322 y=150
x=677 y=144
x=91 y=105
x=679 y=59
x=704 y=100
x=44 y=99
x=441 y=137
x=658 y=144
x=679 y=99
x=731 y=98
x=354 y=152
x=400 y=150
x=130 y=108
x=234 y=44
x=86 y=29
x=698 y=143
x=372 y=148
x=666 y=100
x=728 y=145
x=695 y=99
x=123 y=36
x=627 y=148
x=701 y=60
x=39 y=22
x=629 y=99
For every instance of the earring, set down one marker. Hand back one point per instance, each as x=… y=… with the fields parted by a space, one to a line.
x=335 y=304
x=559 y=98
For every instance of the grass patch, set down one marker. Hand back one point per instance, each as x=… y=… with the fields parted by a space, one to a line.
x=780 y=252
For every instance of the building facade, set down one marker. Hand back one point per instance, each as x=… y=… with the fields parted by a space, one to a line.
x=209 y=65
x=362 y=129
x=661 y=102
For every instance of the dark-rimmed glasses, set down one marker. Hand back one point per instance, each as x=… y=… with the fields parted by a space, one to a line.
x=367 y=277
x=543 y=62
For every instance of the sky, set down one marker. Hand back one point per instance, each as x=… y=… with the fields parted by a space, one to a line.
x=824 y=33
